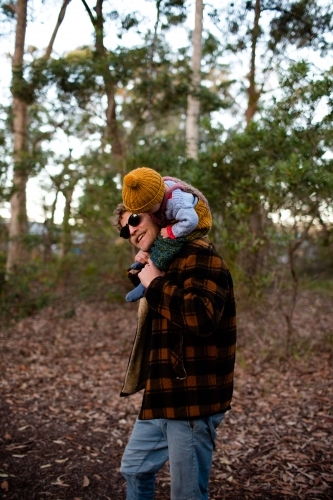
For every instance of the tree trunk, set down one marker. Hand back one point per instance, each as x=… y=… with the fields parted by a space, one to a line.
x=50 y=233
x=18 y=226
x=56 y=29
x=193 y=103
x=112 y=128
x=66 y=238
x=252 y=91
x=256 y=219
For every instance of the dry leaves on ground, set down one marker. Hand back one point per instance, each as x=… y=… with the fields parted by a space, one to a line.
x=63 y=426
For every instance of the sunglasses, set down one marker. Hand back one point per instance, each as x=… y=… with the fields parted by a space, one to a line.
x=133 y=220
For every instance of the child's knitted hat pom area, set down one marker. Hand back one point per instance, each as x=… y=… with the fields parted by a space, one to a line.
x=131 y=181
x=142 y=189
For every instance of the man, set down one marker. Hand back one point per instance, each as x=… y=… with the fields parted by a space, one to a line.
x=183 y=356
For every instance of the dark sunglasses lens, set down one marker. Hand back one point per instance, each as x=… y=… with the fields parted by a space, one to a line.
x=125 y=232
x=134 y=220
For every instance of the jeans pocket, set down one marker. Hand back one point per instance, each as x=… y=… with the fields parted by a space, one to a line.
x=214 y=422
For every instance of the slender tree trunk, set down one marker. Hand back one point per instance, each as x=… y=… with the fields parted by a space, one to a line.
x=256 y=219
x=252 y=91
x=151 y=72
x=56 y=29
x=66 y=239
x=193 y=103
x=112 y=128
x=49 y=238
x=111 y=116
x=18 y=226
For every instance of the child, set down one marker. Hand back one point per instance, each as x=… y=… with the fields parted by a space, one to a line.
x=179 y=209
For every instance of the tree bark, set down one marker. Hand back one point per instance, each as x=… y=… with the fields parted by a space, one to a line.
x=112 y=128
x=56 y=29
x=252 y=91
x=66 y=238
x=17 y=253
x=193 y=103
x=18 y=226
x=256 y=219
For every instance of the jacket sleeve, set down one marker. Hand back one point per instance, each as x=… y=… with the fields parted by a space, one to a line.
x=187 y=221
x=181 y=209
x=194 y=291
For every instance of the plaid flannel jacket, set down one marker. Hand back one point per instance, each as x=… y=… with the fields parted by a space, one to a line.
x=184 y=349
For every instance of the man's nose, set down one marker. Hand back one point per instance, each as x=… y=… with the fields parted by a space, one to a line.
x=132 y=229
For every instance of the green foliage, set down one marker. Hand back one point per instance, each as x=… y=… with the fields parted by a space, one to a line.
x=76 y=76
x=25 y=292
x=303 y=23
x=281 y=162
x=94 y=270
x=8 y=9
x=174 y=12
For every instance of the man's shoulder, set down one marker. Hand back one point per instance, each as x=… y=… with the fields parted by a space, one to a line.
x=199 y=256
x=200 y=246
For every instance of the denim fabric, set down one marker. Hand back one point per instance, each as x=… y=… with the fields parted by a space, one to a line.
x=187 y=444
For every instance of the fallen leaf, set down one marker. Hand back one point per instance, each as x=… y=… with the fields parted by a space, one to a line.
x=263 y=453
x=61 y=460
x=5 y=485
x=14 y=446
x=85 y=482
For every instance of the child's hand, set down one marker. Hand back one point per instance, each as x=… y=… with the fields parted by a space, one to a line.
x=164 y=232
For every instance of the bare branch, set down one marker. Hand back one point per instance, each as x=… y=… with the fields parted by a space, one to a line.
x=90 y=14
x=10 y=7
x=54 y=34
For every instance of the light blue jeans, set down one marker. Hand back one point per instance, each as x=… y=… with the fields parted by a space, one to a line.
x=187 y=444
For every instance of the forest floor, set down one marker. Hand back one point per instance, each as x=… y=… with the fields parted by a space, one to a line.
x=63 y=426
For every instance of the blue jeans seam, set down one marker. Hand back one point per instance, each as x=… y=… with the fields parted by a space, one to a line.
x=145 y=458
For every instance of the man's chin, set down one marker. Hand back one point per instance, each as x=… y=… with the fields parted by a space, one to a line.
x=141 y=242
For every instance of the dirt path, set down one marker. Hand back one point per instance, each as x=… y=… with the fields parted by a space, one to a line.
x=63 y=426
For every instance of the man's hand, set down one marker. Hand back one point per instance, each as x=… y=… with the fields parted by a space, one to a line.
x=142 y=257
x=148 y=273
x=164 y=232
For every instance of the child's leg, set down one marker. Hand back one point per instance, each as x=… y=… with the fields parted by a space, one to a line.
x=162 y=253
x=138 y=292
x=164 y=250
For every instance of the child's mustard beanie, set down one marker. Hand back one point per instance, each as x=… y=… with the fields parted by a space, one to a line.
x=142 y=189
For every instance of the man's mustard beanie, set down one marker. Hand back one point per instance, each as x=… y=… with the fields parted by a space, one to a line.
x=142 y=189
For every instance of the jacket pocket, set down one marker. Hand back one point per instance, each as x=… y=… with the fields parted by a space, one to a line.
x=177 y=360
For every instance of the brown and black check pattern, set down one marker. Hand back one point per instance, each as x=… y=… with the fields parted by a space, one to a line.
x=191 y=322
